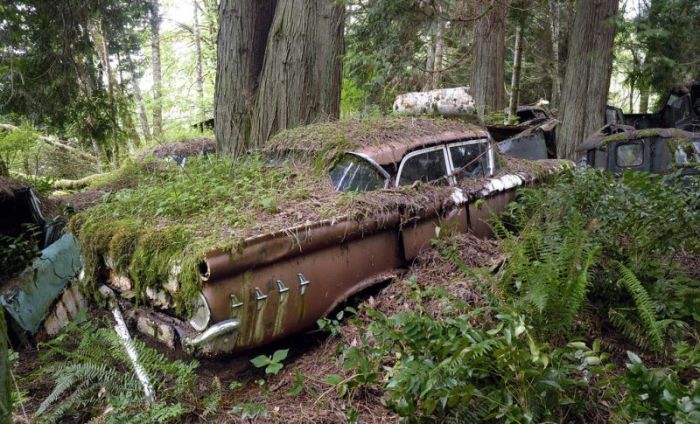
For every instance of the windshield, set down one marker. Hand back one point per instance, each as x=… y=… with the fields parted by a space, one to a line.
x=353 y=173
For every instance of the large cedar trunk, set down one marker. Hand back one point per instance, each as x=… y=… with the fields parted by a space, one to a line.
x=243 y=30
x=587 y=79
x=302 y=73
x=157 y=76
x=487 y=82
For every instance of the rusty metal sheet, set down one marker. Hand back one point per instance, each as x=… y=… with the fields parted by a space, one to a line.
x=418 y=236
x=268 y=313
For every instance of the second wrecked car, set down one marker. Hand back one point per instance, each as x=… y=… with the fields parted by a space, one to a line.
x=322 y=213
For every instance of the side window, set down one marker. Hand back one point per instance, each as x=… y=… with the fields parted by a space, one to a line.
x=470 y=160
x=629 y=155
x=353 y=173
x=424 y=166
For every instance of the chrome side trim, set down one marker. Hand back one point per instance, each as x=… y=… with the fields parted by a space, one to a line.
x=215 y=331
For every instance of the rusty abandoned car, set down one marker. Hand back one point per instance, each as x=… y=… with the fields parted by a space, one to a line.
x=358 y=200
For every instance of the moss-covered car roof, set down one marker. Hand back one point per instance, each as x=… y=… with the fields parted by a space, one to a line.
x=673 y=135
x=386 y=140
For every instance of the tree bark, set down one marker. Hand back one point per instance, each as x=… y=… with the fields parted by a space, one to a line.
x=5 y=400
x=243 y=30
x=587 y=79
x=554 y=29
x=198 y=62
x=302 y=73
x=143 y=117
x=487 y=78
x=439 y=52
x=430 y=60
x=644 y=98
x=157 y=75
x=515 y=80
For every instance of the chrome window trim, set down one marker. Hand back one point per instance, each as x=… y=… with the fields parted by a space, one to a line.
x=448 y=166
x=375 y=165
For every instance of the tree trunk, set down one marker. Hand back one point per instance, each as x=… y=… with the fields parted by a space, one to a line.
x=487 y=81
x=587 y=79
x=243 y=30
x=302 y=73
x=644 y=98
x=5 y=405
x=157 y=76
x=143 y=117
x=631 y=110
x=198 y=62
x=439 y=52
x=515 y=80
x=430 y=60
x=554 y=26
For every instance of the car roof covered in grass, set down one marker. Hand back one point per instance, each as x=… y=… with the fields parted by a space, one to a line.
x=384 y=140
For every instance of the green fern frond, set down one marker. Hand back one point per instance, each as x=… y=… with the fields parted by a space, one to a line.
x=644 y=304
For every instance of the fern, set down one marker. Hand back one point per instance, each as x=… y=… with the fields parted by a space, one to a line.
x=91 y=370
x=644 y=304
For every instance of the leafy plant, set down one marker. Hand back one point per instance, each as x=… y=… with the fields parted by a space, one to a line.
x=91 y=370
x=273 y=363
x=17 y=252
x=660 y=395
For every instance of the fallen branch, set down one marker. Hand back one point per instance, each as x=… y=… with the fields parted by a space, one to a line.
x=75 y=184
x=54 y=142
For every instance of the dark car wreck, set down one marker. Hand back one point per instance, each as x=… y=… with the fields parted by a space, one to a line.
x=382 y=190
x=657 y=150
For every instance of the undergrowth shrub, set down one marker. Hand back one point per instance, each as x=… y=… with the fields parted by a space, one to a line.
x=662 y=395
x=591 y=247
x=433 y=369
x=94 y=376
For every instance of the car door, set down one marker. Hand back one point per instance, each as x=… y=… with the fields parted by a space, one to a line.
x=429 y=165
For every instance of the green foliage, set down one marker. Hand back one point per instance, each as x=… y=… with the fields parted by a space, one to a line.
x=332 y=325
x=16 y=253
x=167 y=218
x=439 y=368
x=639 y=220
x=14 y=148
x=645 y=306
x=91 y=370
x=662 y=395
x=272 y=364
x=547 y=271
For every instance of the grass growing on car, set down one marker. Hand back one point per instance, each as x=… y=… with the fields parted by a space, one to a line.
x=169 y=214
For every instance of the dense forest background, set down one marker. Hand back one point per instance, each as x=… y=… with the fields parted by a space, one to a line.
x=100 y=79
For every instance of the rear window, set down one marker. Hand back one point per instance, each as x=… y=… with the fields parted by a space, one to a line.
x=425 y=167
x=470 y=160
x=629 y=155
x=352 y=173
